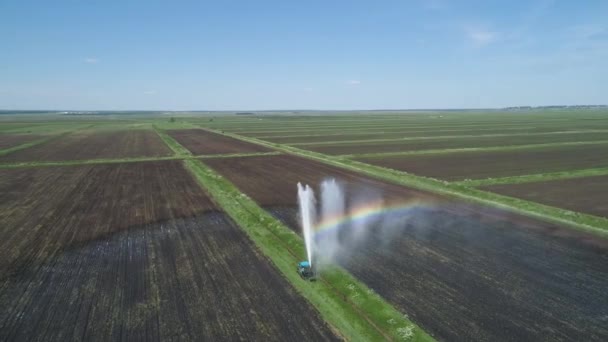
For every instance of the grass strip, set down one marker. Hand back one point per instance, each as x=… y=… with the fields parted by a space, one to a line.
x=358 y=313
x=473 y=149
x=239 y=155
x=130 y=160
x=86 y=162
x=176 y=147
x=26 y=145
x=377 y=132
x=539 y=177
x=438 y=137
x=586 y=222
x=40 y=141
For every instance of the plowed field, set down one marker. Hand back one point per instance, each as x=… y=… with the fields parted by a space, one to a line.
x=478 y=165
x=586 y=195
x=10 y=140
x=94 y=145
x=199 y=142
x=466 y=142
x=134 y=252
x=462 y=272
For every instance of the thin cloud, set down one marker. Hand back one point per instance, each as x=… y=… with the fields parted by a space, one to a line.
x=353 y=82
x=91 y=60
x=481 y=37
x=434 y=5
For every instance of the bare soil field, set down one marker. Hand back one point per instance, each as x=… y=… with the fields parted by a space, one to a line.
x=11 y=140
x=387 y=127
x=586 y=195
x=92 y=144
x=131 y=252
x=199 y=142
x=479 y=165
x=431 y=144
x=310 y=138
x=462 y=272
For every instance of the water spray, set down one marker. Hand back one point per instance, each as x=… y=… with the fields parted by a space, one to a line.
x=345 y=225
x=306 y=200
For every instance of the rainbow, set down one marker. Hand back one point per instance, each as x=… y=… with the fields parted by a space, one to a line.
x=369 y=210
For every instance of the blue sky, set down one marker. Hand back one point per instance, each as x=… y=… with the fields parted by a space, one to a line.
x=228 y=55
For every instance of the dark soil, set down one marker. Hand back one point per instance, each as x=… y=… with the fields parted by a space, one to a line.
x=586 y=195
x=465 y=142
x=94 y=145
x=462 y=272
x=479 y=165
x=134 y=252
x=200 y=142
x=12 y=140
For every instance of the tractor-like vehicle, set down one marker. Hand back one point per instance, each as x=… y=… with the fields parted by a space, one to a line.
x=306 y=271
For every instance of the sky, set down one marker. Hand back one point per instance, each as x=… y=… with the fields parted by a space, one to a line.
x=330 y=54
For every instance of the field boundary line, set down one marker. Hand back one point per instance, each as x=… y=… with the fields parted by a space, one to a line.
x=363 y=127
x=362 y=316
x=88 y=162
x=176 y=147
x=131 y=160
x=353 y=321
x=40 y=141
x=532 y=178
x=367 y=132
x=439 y=137
x=576 y=220
x=471 y=149
x=238 y=155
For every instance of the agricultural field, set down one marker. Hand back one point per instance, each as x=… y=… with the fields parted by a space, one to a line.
x=484 y=164
x=433 y=133
x=586 y=194
x=462 y=272
x=42 y=126
x=363 y=147
x=134 y=251
x=201 y=142
x=180 y=226
x=411 y=123
x=94 y=144
x=11 y=140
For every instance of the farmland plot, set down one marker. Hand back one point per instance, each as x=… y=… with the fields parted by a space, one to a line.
x=313 y=137
x=478 y=165
x=134 y=252
x=200 y=142
x=11 y=140
x=586 y=195
x=391 y=128
x=92 y=144
x=449 y=143
x=461 y=272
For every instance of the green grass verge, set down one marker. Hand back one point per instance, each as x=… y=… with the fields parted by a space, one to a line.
x=26 y=145
x=474 y=149
x=41 y=141
x=176 y=147
x=438 y=137
x=129 y=160
x=354 y=310
x=593 y=224
x=240 y=155
x=540 y=177
x=87 y=162
x=167 y=124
